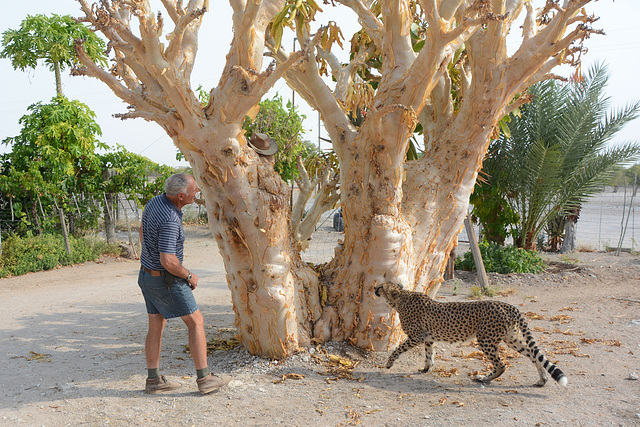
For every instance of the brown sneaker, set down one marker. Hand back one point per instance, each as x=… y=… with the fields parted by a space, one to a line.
x=159 y=385
x=212 y=383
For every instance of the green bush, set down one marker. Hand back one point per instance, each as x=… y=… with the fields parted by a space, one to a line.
x=503 y=260
x=22 y=255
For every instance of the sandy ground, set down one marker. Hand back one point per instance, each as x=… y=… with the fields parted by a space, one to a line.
x=72 y=353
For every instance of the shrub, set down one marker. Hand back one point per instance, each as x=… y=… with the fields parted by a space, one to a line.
x=27 y=254
x=503 y=260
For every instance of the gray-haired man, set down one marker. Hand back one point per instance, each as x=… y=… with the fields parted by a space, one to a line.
x=167 y=286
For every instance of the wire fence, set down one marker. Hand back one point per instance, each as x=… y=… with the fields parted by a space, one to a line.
x=607 y=221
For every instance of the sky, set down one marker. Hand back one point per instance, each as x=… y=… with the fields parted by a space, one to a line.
x=619 y=49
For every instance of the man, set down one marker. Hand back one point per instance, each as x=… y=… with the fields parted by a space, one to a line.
x=167 y=286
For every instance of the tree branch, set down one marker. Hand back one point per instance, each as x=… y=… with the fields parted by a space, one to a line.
x=114 y=84
x=366 y=18
x=172 y=9
x=177 y=35
x=112 y=24
x=326 y=197
x=397 y=49
x=343 y=74
x=307 y=82
x=449 y=8
x=158 y=118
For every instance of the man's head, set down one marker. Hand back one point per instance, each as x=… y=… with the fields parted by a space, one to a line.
x=181 y=189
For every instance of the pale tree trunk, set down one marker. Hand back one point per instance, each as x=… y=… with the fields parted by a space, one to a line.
x=324 y=185
x=571 y=222
x=377 y=244
x=274 y=295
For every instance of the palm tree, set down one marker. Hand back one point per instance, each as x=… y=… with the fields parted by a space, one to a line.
x=557 y=155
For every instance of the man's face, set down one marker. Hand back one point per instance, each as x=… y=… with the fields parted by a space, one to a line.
x=190 y=195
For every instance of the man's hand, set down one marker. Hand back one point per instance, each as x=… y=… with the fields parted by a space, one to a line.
x=171 y=263
x=193 y=282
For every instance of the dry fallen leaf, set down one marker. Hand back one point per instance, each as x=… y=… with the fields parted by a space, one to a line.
x=287 y=377
x=444 y=372
x=613 y=343
x=562 y=318
x=534 y=316
x=40 y=357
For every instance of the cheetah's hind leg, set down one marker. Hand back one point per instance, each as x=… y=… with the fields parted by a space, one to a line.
x=490 y=349
x=514 y=341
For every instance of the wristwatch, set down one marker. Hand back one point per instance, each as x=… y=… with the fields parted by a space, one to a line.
x=189 y=276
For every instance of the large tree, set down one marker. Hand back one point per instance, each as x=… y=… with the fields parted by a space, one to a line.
x=401 y=219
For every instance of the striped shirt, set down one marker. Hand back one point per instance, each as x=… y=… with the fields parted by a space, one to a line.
x=161 y=232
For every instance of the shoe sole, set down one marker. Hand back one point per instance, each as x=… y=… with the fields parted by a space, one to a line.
x=203 y=392
x=161 y=391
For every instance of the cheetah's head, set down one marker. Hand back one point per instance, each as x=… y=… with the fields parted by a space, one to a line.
x=389 y=290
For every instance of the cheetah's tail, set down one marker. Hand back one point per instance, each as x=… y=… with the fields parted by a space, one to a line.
x=540 y=360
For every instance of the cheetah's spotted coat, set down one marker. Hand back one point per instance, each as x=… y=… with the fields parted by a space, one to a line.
x=425 y=320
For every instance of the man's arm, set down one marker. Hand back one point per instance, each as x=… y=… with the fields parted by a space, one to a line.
x=172 y=264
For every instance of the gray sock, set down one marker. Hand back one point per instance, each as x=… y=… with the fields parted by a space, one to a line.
x=202 y=372
x=153 y=373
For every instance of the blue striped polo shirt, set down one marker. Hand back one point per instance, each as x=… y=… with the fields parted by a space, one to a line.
x=162 y=232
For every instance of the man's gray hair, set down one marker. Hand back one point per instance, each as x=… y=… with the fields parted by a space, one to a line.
x=177 y=183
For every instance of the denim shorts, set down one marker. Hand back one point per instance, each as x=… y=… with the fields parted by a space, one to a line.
x=170 y=301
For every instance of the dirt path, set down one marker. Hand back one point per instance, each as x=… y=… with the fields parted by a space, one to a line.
x=72 y=353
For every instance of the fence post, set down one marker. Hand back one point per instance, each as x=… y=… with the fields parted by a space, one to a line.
x=126 y=218
x=475 y=251
x=65 y=234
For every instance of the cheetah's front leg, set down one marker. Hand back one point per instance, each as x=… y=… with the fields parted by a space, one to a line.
x=404 y=346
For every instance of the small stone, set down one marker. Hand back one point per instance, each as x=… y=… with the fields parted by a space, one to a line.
x=633 y=376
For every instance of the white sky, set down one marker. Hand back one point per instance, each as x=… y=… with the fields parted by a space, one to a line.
x=619 y=49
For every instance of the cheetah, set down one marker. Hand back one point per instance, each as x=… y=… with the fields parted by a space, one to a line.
x=425 y=320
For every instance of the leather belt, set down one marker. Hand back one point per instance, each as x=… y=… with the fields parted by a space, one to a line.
x=151 y=272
